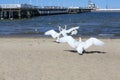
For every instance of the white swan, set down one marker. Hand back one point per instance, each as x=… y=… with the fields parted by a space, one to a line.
x=52 y=33
x=81 y=46
x=62 y=33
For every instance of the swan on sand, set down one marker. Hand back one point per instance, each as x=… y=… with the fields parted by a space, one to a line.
x=81 y=46
x=62 y=32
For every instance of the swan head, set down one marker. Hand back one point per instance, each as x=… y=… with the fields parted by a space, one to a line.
x=60 y=28
x=80 y=49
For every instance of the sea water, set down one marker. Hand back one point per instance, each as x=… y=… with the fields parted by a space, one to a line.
x=92 y=24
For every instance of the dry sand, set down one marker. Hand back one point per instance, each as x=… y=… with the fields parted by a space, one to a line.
x=43 y=59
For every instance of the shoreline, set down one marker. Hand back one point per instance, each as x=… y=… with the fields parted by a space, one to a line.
x=43 y=36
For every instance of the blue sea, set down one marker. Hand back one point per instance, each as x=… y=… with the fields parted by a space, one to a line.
x=92 y=24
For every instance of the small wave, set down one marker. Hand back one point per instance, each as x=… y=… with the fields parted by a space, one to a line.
x=106 y=35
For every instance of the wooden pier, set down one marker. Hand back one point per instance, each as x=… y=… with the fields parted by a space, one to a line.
x=20 y=11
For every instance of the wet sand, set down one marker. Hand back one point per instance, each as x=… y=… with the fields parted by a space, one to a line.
x=43 y=59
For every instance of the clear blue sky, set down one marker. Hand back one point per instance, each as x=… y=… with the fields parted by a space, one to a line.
x=66 y=3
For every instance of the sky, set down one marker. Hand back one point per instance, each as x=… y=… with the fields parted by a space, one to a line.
x=66 y=3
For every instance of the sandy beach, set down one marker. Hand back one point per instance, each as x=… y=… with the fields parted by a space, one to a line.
x=43 y=59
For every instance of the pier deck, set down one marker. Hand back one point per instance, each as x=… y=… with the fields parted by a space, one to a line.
x=19 y=11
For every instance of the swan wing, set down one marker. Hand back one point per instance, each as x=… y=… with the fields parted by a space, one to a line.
x=64 y=39
x=92 y=41
x=61 y=40
x=74 y=32
x=97 y=42
x=71 y=29
x=63 y=33
x=70 y=40
x=53 y=33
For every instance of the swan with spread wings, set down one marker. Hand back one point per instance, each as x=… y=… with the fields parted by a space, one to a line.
x=62 y=32
x=81 y=46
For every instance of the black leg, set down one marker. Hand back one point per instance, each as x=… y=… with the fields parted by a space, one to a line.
x=84 y=51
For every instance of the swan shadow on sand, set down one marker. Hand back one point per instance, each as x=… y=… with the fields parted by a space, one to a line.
x=87 y=52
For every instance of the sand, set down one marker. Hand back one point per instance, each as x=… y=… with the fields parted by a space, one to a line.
x=43 y=59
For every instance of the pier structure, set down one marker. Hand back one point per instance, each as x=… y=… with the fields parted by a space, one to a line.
x=17 y=11
x=51 y=10
x=74 y=10
x=105 y=10
x=20 y=11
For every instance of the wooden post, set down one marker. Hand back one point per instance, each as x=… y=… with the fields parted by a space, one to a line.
x=28 y=14
x=19 y=14
x=9 y=13
x=1 y=14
